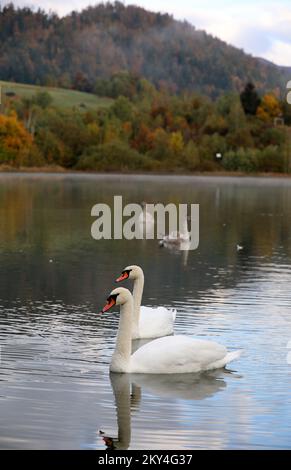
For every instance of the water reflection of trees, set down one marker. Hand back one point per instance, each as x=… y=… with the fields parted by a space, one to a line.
x=49 y=218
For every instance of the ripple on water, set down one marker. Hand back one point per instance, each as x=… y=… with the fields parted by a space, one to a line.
x=55 y=389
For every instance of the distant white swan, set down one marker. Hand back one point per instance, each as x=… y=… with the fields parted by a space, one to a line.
x=168 y=355
x=178 y=239
x=148 y=322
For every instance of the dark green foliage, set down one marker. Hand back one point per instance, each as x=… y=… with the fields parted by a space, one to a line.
x=272 y=136
x=123 y=109
x=286 y=113
x=120 y=84
x=241 y=160
x=43 y=99
x=113 y=156
x=269 y=159
x=250 y=99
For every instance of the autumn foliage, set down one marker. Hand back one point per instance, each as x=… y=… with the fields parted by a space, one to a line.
x=16 y=143
x=146 y=129
x=269 y=108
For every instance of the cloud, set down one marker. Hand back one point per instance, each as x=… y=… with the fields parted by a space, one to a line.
x=280 y=53
x=260 y=28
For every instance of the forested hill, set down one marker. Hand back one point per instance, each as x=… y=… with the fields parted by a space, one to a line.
x=76 y=50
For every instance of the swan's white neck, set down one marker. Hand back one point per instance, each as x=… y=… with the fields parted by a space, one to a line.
x=121 y=357
x=137 y=296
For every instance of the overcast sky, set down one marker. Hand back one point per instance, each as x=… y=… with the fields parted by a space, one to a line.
x=260 y=27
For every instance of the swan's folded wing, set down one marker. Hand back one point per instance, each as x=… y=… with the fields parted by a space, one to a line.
x=155 y=322
x=177 y=354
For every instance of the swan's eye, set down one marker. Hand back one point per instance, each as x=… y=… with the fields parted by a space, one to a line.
x=112 y=297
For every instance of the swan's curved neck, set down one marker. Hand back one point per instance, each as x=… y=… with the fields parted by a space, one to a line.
x=137 y=296
x=121 y=356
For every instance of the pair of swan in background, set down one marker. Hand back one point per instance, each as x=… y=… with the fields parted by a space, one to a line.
x=177 y=239
x=166 y=355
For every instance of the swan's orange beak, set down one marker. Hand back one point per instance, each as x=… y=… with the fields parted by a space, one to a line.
x=111 y=301
x=123 y=276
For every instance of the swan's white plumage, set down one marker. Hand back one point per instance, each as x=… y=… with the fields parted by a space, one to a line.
x=167 y=355
x=180 y=354
x=156 y=322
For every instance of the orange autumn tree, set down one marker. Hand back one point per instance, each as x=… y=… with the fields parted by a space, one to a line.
x=269 y=108
x=15 y=141
x=144 y=139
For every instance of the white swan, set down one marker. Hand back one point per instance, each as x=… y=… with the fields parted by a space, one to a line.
x=168 y=355
x=148 y=322
x=177 y=239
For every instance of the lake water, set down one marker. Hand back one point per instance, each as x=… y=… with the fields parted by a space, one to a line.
x=55 y=387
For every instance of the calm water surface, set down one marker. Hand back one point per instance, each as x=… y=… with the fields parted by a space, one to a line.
x=55 y=389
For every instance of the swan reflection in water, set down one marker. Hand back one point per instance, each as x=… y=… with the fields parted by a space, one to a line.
x=127 y=398
x=181 y=249
x=178 y=241
x=127 y=390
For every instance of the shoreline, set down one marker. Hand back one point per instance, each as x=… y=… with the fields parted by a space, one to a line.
x=5 y=169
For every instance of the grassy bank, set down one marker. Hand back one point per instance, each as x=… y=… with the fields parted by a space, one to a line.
x=61 y=98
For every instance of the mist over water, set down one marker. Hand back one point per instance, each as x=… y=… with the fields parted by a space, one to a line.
x=55 y=387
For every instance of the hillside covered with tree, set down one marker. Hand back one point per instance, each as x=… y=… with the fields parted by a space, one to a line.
x=160 y=95
x=80 y=49
x=146 y=129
